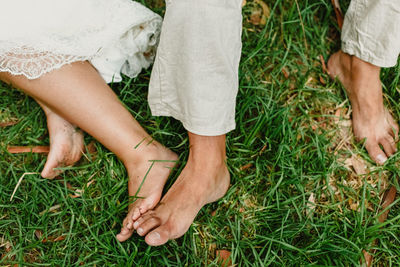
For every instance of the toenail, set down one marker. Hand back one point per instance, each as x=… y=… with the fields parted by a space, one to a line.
x=381 y=158
x=140 y=231
x=155 y=236
x=135 y=225
x=124 y=231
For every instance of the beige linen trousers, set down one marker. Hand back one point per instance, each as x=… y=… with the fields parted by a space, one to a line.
x=195 y=73
x=371 y=31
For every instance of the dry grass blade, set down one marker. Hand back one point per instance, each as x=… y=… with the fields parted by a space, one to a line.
x=51 y=209
x=19 y=182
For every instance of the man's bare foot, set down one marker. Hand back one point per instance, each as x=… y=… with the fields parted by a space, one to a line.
x=371 y=120
x=205 y=179
x=146 y=182
x=66 y=144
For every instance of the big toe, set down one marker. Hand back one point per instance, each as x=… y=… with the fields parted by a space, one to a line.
x=376 y=153
x=49 y=170
x=158 y=236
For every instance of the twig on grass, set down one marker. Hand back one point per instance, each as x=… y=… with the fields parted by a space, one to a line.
x=28 y=149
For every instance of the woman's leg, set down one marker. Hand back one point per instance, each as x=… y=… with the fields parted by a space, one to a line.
x=77 y=93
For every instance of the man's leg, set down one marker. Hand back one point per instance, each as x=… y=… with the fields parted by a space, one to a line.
x=371 y=120
x=204 y=179
x=194 y=80
x=370 y=40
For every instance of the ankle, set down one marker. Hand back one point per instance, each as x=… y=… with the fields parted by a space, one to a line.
x=362 y=70
x=143 y=154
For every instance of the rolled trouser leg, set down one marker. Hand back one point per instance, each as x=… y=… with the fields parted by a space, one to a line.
x=195 y=74
x=371 y=31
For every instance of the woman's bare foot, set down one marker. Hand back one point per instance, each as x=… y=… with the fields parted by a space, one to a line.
x=153 y=171
x=205 y=179
x=371 y=120
x=66 y=144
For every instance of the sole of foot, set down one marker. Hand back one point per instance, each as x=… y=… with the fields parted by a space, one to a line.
x=372 y=122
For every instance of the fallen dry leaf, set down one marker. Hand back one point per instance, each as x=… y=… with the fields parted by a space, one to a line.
x=59 y=238
x=8 y=123
x=91 y=148
x=359 y=165
x=260 y=13
x=323 y=65
x=28 y=149
x=322 y=80
x=224 y=257
x=338 y=13
x=38 y=234
x=285 y=73
x=387 y=199
x=5 y=243
x=310 y=204
x=368 y=259
x=212 y=247
x=53 y=239
x=245 y=167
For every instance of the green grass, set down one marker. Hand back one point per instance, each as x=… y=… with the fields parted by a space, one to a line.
x=286 y=137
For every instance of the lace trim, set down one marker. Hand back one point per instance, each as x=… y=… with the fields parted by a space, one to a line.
x=32 y=63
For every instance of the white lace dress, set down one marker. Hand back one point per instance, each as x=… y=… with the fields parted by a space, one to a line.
x=39 y=36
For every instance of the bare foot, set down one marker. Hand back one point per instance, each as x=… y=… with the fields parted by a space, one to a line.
x=371 y=120
x=66 y=144
x=202 y=181
x=146 y=181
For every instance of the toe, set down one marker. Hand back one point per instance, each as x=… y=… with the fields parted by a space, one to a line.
x=388 y=145
x=124 y=235
x=376 y=153
x=138 y=222
x=394 y=131
x=49 y=171
x=148 y=225
x=159 y=236
x=135 y=214
x=126 y=231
